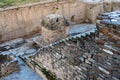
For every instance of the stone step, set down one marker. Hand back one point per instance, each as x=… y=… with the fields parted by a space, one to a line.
x=108 y=51
x=112 y=48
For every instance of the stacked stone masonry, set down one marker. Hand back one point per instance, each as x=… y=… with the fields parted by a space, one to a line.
x=93 y=55
x=80 y=58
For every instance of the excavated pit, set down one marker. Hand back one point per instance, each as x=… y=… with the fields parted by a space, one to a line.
x=86 y=52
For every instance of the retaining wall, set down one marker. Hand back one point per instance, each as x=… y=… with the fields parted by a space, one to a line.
x=19 y=21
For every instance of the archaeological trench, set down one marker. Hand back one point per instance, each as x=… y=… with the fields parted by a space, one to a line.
x=61 y=40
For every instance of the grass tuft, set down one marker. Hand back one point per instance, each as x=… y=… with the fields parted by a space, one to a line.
x=7 y=3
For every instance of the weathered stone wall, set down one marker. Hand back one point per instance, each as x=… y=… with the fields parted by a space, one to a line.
x=80 y=58
x=93 y=10
x=64 y=59
x=24 y=20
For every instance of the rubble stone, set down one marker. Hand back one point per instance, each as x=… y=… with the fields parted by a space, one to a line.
x=54 y=27
x=7 y=64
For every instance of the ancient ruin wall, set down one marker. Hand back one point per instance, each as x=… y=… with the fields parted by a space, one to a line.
x=78 y=58
x=25 y=20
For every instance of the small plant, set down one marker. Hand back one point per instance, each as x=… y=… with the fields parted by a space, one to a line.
x=47 y=73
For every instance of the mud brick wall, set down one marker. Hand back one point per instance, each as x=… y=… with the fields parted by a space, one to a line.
x=66 y=60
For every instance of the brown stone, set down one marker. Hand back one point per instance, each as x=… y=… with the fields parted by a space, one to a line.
x=54 y=27
x=100 y=42
x=54 y=22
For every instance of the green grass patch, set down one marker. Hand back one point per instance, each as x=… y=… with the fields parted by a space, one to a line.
x=46 y=72
x=7 y=3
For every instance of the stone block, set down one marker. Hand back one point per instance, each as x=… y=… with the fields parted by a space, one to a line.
x=54 y=27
